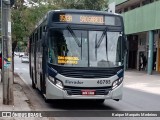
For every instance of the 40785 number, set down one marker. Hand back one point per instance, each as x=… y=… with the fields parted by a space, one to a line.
x=103 y=82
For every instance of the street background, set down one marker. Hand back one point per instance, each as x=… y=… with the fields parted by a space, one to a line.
x=141 y=93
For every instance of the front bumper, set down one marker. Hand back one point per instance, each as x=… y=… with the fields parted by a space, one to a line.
x=54 y=92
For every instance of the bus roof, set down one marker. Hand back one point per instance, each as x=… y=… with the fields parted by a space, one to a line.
x=84 y=11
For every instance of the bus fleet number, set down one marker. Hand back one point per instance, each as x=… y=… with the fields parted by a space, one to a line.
x=103 y=82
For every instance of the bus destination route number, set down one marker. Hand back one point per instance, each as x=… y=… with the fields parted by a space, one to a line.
x=103 y=82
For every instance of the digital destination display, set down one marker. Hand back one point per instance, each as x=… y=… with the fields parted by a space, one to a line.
x=86 y=19
x=83 y=19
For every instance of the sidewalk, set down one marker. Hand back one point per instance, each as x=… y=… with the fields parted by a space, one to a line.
x=140 y=80
x=21 y=102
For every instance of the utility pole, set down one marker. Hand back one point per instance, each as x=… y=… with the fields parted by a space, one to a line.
x=7 y=71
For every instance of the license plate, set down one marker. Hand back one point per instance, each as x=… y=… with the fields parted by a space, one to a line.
x=88 y=92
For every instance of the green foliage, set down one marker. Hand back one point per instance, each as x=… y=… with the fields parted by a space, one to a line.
x=25 y=18
x=95 y=4
x=81 y=4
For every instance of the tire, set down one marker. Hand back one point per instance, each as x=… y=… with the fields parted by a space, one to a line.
x=33 y=85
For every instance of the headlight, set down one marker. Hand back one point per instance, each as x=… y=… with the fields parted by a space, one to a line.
x=59 y=84
x=56 y=82
x=116 y=83
x=52 y=79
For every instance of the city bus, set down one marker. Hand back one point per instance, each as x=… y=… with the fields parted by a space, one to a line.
x=78 y=54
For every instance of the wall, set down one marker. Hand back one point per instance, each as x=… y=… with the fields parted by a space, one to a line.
x=142 y=19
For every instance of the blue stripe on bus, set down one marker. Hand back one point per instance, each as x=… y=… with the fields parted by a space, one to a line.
x=120 y=73
x=52 y=72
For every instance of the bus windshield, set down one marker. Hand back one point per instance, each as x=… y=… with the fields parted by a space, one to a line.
x=84 y=48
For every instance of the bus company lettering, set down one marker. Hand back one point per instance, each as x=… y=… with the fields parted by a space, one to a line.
x=73 y=82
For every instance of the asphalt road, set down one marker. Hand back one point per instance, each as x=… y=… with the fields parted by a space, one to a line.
x=137 y=96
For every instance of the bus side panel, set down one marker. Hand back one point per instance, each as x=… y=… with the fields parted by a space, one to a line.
x=44 y=51
x=38 y=65
x=40 y=60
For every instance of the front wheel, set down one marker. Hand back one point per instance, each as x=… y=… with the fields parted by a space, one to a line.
x=33 y=85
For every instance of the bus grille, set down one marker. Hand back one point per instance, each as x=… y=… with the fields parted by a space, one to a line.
x=86 y=72
x=77 y=91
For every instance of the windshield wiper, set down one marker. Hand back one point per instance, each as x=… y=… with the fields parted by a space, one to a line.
x=98 y=44
x=107 y=51
x=101 y=38
x=74 y=36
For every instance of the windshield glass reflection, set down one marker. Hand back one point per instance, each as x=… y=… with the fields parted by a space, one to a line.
x=79 y=48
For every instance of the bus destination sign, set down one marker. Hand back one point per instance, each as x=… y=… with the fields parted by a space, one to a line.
x=86 y=19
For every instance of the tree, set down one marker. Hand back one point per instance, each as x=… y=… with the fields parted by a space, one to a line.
x=82 y=4
x=25 y=16
x=95 y=4
x=24 y=20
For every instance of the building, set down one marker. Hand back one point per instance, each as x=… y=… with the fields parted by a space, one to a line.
x=142 y=27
